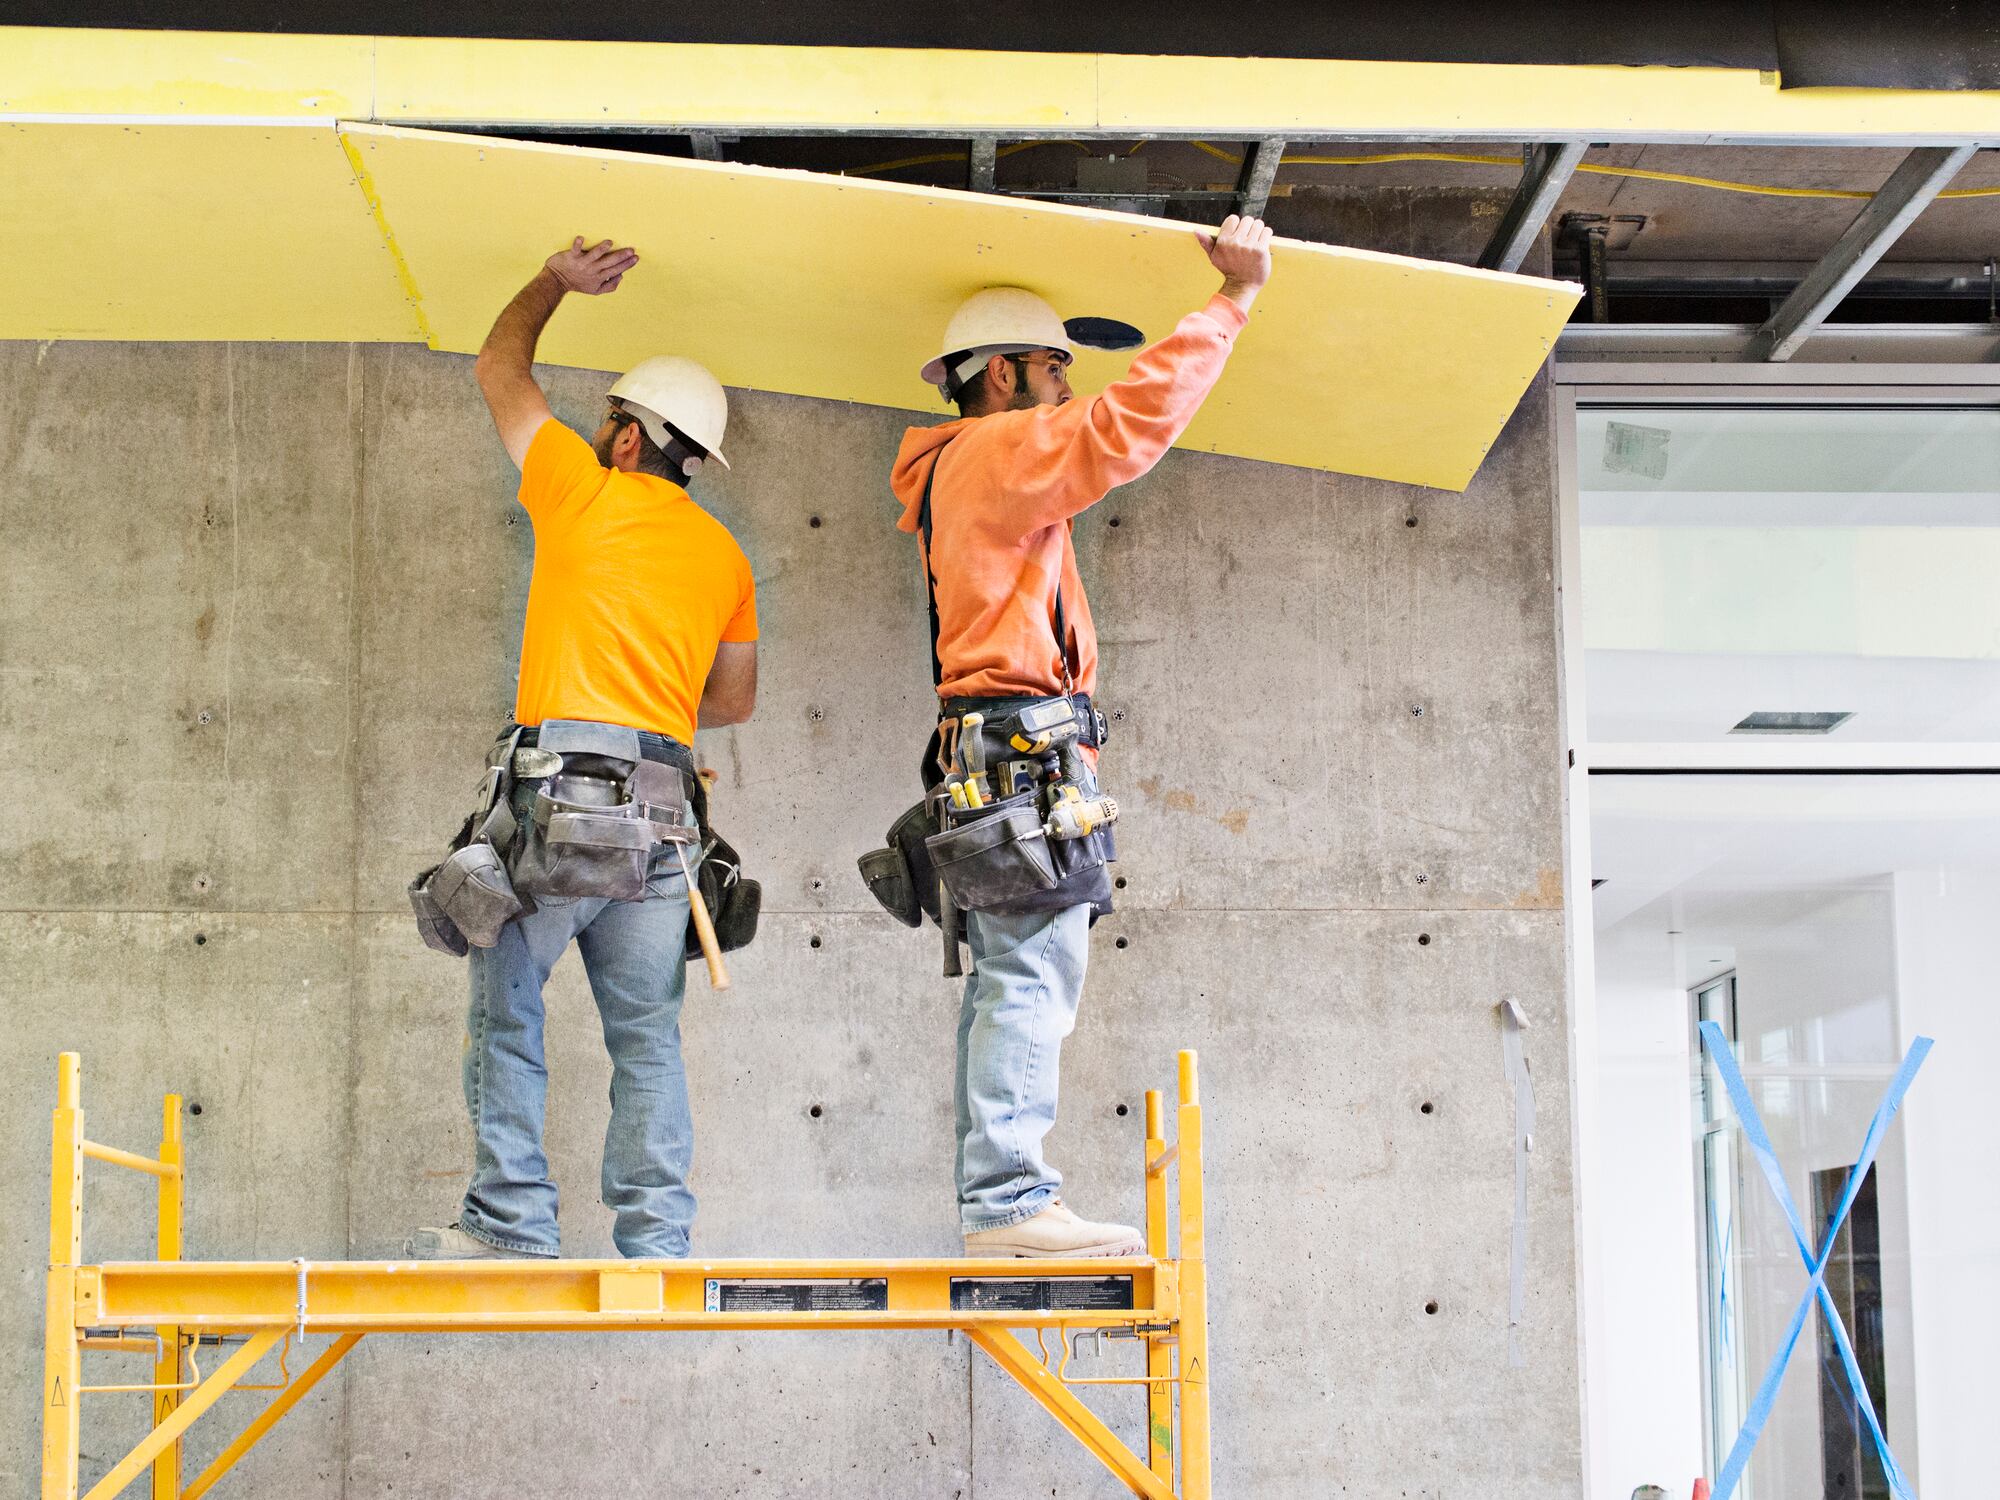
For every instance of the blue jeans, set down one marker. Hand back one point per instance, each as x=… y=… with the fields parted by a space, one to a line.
x=632 y=952
x=1020 y=1002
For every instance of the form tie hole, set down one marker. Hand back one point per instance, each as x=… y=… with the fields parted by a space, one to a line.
x=815 y=940
x=1423 y=940
x=1124 y=943
x=200 y=939
x=814 y=523
x=194 y=1109
x=1427 y=1108
x=816 y=1111
x=1123 y=1111
x=1409 y=520
x=1114 y=520
x=1431 y=1308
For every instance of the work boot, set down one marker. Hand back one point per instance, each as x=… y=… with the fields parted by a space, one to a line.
x=449 y=1242
x=1056 y=1233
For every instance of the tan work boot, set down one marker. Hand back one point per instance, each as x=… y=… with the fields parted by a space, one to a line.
x=449 y=1242
x=1056 y=1233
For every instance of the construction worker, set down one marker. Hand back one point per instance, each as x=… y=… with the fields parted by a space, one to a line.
x=993 y=497
x=641 y=624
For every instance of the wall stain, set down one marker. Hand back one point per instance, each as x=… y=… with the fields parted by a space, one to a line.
x=1547 y=894
x=1177 y=799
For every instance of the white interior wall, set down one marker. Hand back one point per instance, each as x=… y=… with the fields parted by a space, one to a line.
x=1649 y=1400
x=1947 y=960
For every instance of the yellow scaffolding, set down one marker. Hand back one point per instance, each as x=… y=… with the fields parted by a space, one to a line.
x=173 y=1309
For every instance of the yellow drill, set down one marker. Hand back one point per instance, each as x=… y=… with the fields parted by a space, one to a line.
x=1073 y=815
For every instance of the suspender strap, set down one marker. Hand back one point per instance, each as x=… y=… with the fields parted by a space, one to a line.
x=1061 y=625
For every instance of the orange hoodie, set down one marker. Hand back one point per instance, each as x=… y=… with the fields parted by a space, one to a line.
x=1007 y=490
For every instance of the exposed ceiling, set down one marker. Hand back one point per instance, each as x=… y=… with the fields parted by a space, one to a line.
x=1756 y=186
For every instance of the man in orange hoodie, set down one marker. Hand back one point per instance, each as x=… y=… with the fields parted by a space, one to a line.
x=993 y=497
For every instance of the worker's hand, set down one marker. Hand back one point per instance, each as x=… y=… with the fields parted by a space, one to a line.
x=1241 y=251
x=593 y=270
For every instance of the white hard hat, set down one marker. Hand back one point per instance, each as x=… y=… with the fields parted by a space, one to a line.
x=999 y=320
x=668 y=389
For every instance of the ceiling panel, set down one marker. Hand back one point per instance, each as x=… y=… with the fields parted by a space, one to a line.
x=834 y=287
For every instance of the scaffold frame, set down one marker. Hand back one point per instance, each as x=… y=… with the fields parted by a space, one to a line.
x=174 y=1309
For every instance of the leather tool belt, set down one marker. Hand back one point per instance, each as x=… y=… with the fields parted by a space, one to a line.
x=567 y=808
x=997 y=857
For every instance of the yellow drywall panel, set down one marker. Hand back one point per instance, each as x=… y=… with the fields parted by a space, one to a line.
x=594 y=83
x=837 y=287
x=190 y=232
x=1247 y=96
x=50 y=70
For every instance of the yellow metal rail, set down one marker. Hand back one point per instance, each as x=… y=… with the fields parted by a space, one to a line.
x=167 y=1307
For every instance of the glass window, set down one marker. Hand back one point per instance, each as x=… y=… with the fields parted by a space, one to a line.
x=1742 y=561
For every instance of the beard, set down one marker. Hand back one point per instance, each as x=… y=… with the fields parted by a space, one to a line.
x=602 y=448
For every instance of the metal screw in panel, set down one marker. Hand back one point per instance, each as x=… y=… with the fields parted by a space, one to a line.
x=204 y=717
x=815 y=715
x=1422 y=878
x=1416 y=710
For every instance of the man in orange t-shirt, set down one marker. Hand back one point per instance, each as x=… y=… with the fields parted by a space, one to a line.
x=641 y=625
x=992 y=498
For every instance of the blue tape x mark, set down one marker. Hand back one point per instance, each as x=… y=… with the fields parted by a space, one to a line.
x=1767 y=1158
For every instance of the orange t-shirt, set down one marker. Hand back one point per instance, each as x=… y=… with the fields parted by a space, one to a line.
x=1008 y=487
x=634 y=586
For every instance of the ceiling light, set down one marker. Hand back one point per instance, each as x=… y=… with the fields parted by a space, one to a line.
x=1771 y=721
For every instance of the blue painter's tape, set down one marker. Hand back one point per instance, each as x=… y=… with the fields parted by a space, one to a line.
x=1815 y=1263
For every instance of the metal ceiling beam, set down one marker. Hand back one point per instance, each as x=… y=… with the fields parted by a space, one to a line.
x=1260 y=170
x=1924 y=174
x=1545 y=172
x=707 y=145
x=985 y=161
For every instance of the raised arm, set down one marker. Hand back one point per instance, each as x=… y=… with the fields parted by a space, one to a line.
x=505 y=368
x=1073 y=454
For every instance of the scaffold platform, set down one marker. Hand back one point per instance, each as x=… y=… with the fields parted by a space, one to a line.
x=230 y=1315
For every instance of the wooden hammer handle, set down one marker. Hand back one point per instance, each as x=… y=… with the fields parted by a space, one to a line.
x=704 y=926
x=711 y=950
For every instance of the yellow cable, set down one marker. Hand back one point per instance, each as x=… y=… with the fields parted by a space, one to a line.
x=940 y=158
x=1762 y=189
x=1720 y=184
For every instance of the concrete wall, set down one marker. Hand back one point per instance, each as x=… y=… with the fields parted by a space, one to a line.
x=260 y=619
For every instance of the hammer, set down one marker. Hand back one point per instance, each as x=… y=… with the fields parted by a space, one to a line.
x=704 y=925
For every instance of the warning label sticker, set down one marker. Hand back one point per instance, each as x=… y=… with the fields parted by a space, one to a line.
x=1041 y=1293
x=859 y=1294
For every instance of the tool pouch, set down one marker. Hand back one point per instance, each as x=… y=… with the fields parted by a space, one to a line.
x=586 y=849
x=734 y=902
x=995 y=858
x=469 y=891
x=437 y=930
x=900 y=875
